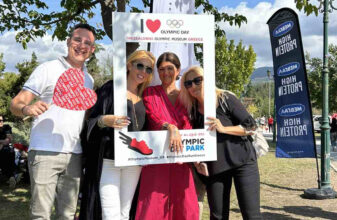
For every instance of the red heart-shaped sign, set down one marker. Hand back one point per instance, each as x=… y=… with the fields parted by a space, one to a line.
x=70 y=93
x=153 y=26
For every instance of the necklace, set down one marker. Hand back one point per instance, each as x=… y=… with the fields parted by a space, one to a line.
x=134 y=113
x=133 y=107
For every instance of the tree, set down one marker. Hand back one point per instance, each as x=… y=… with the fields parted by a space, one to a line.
x=29 y=19
x=94 y=70
x=97 y=72
x=2 y=64
x=25 y=69
x=107 y=65
x=307 y=7
x=314 y=68
x=20 y=130
x=234 y=65
x=11 y=84
x=259 y=92
x=6 y=82
x=252 y=109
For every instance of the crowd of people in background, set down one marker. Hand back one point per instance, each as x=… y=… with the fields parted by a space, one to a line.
x=13 y=157
x=265 y=124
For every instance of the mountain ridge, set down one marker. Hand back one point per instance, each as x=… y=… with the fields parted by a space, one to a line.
x=260 y=74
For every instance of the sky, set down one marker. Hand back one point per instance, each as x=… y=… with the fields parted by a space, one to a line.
x=254 y=33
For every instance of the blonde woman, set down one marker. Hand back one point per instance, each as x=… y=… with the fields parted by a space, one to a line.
x=236 y=156
x=108 y=190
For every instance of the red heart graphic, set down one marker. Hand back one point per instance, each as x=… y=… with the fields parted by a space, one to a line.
x=70 y=93
x=153 y=26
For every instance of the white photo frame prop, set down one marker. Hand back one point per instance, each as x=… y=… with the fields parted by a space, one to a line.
x=199 y=144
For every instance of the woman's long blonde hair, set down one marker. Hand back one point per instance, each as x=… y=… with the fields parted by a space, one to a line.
x=221 y=94
x=186 y=99
x=140 y=54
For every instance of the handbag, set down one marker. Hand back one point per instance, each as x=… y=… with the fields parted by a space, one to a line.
x=257 y=139
x=259 y=143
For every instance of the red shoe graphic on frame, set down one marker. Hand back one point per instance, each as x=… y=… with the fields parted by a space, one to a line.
x=138 y=146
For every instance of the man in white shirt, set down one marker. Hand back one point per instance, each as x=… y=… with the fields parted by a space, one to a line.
x=54 y=155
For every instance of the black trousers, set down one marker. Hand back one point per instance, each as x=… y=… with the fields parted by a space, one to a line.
x=7 y=161
x=247 y=184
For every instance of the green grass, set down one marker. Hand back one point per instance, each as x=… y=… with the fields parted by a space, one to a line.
x=14 y=204
x=282 y=184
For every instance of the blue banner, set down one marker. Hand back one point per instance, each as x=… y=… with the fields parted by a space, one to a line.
x=295 y=135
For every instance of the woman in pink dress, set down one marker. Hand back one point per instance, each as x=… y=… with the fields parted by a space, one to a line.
x=167 y=191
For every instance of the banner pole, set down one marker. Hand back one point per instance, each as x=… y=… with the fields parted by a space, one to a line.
x=325 y=190
x=317 y=166
x=284 y=28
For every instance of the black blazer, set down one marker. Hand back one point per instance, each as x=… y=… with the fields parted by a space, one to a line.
x=97 y=143
x=232 y=151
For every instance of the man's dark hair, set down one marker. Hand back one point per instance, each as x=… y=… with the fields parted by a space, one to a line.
x=84 y=26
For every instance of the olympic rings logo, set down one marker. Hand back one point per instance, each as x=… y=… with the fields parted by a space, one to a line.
x=174 y=23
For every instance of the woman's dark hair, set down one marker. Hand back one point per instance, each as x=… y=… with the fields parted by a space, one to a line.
x=169 y=57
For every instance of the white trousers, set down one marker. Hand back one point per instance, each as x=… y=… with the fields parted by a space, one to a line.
x=117 y=187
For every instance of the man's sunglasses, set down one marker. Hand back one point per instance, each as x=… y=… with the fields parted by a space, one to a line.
x=1 y=120
x=141 y=67
x=196 y=81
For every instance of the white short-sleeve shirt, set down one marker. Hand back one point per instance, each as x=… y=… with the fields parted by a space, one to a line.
x=57 y=129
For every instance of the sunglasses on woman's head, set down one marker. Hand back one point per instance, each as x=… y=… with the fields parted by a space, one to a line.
x=197 y=81
x=141 y=67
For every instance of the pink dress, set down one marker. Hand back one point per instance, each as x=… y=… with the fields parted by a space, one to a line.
x=167 y=191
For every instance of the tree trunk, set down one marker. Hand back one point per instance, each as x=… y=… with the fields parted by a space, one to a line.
x=107 y=7
x=121 y=5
